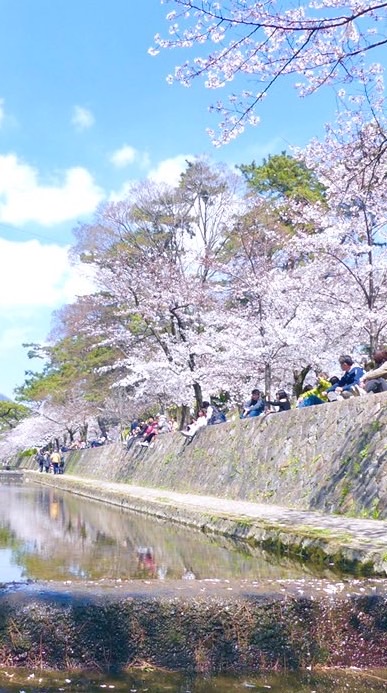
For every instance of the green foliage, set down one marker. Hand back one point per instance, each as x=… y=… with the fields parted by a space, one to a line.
x=69 y=362
x=283 y=177
x=11 y=413
x=373 y=512
x=28 y=453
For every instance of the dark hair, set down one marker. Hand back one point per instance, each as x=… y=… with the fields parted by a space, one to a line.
x=255 y=391
x=307 y=388
x=380 y=357
x=205 y=405
x=334 y=379
x=282 y=393
x=346 y=359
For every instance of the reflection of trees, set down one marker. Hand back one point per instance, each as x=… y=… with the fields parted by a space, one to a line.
x=7 y=538
x=59 y=536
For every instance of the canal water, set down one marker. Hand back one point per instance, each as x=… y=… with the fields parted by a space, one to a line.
x=158 y=682
x=50 y=535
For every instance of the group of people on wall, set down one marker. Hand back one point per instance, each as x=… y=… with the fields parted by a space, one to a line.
x=144 y=432
x=354 y=382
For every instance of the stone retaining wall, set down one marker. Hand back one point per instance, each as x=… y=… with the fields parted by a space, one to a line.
x=284 y=627
x=329 y=457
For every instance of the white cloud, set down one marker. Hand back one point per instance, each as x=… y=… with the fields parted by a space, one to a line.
x=82 y=119
x=129 y=155
x=2 y=112
x=124 y=156
x=169 y=170
x=33 y=274
x=24 y=199
x=34 y=280
x=123 y=192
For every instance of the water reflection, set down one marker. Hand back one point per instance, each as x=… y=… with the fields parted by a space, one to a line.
x=163 y=682
x=46 y=534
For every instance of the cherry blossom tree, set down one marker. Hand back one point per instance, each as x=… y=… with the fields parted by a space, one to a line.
x=346 y=259
x=202 y=289
x=33 y=431
x=155 y=256
x=281 y=334
x=258 y=43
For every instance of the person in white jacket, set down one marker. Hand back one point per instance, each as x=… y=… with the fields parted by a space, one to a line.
x=194 y=427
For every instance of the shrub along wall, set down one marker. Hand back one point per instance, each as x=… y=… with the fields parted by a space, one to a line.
x=329 y=457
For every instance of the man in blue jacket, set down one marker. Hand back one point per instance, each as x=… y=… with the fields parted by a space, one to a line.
x=346 y=385
x=254 y=406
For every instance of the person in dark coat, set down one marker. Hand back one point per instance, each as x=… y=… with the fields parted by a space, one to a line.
x=282 y=401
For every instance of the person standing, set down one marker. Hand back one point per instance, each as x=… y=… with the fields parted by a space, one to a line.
x=40 y=460
x=55 y=459
x=47 y=462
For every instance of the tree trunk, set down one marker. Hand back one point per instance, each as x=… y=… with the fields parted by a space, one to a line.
x=102 y=426
x=267 y=380
x=198 y=396
x=299 y=378
x=185 y=417
x=83 y=431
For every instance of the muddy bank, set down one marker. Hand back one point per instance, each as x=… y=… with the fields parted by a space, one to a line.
x=203 y=627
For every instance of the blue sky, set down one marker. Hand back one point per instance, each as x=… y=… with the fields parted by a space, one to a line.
x=83 y=110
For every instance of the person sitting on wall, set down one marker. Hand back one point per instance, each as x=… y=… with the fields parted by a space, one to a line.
x=255 y=406
x=376 y=380
x=150 y=432
x=308 y=398
x=213 y=414
x=317 y=394
x=208 y=415
x=345 y=387
x=195 y=426
x=281 y=402
x=136 y=434
x=163 y=425
x=98 y=442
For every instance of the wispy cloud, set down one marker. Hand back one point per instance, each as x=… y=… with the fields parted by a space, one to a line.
x=82 y=118
x=49 y=281
x=169 y=170
x=24 y=199
x=126 y=155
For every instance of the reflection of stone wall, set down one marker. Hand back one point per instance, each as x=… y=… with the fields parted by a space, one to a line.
x=331 y=457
